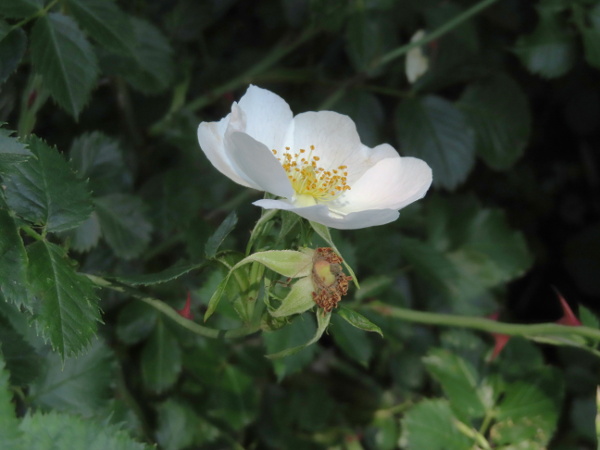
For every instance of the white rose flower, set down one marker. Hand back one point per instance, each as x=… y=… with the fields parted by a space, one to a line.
x=314 y=162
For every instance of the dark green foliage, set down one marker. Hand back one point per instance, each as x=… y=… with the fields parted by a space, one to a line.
x=122 y=325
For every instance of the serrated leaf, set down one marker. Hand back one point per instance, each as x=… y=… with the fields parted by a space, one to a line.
x=9 y=425
x=11 y=150
x=124 y=225
x=359 y=321
x=20 y=8
x=148 y=66
x=44 y=190
x=529 y=409
x=13 y=262
x=549 y=50
x=65 y=59
x=432 y=129
x=431 y=425
x=459 y=381
x=80 y=385
x=12 y=49
x=497 y=110
x=217 y=238
x=353 y=341
x=53 y=431
x=161 y=360
x=105 y=22
x=69 y=306
x=322 y=323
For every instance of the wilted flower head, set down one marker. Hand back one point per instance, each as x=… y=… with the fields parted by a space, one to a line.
x=314 y=162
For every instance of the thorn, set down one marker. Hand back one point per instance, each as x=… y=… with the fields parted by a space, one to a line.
x=500 y=340
x=186 y=310
x=568 y=318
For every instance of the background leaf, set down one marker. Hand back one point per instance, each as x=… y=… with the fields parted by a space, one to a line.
x=123 y=223
x=104 y=22
x=550 y=49
x=432 y=129
x=8 y=418
x=160 y=360
x=20 y=8
x=497 y=110
x=59 y=431
x=69 y=307
x=13 y=262
x=45 y=191
x=81 y=385
x=431 y=425
x=62 y=55
x=12 y=50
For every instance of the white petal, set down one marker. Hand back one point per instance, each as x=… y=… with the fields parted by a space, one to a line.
x=210 y=137
x=256 y=164
x=267 y=116
x=333 y=135
x=322 y=215
x=391 y=183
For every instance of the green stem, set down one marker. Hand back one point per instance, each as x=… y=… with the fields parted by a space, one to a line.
x=32 y=233
x=278 y=53
x=445 y=28
x=174 y=315
x=482 y=324
x=40 y=13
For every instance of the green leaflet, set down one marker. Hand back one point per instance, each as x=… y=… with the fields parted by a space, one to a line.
x=65 y=59
x=69 y=312
x=45 y=191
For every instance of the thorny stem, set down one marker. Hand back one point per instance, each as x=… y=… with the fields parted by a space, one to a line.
x=174 y=315
x=537 y=331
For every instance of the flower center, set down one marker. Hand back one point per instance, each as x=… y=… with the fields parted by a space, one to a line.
x=329 y=280
x=311 y=182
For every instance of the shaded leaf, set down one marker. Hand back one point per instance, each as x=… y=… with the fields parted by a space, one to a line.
x=353 y=341
x=82 y=385
x=432 y=129
x=179 y=426
x=148 y=66
x=135 y=322
x=45 y=191
x=9 y=425
x=69 y=306
x=322 y=323
x=65 y=59
x=296 y=333
x=217 y=238
x=431 y=425
x=20 y=8
x=124 y=225
x=105 y=22
x=549 y=50
x=497 y=110
x=86 y=236
x=100 y=158
x=12 y=50
x=13 y=262
x=161 y=360
x=61 y=431
x=459 y=381
x=11 y=150
x=21 y=359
